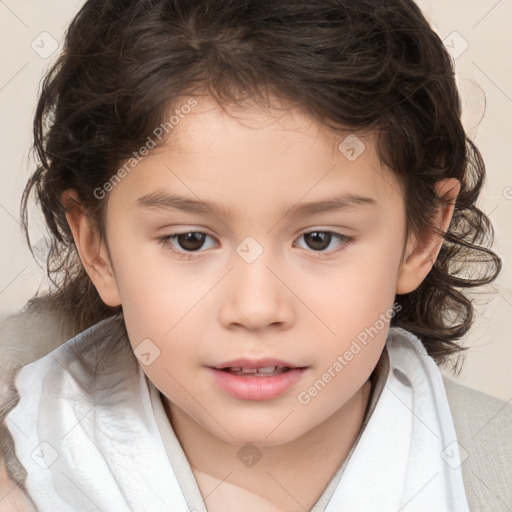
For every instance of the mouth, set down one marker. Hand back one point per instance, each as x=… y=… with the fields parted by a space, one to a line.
x=263 y=367
x=261 y=379
x=267 y=371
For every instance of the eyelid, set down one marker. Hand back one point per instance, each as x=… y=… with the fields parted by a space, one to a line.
x=344 y=240
x=165 y=243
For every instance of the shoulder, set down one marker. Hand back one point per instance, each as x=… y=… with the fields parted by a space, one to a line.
x=483 y=424
x=480 y=415
x=30 y=334
x=25 y=337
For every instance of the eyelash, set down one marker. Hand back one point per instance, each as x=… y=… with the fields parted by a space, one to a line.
x=165 y=242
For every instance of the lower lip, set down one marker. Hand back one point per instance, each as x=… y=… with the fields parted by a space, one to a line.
x=256 y=388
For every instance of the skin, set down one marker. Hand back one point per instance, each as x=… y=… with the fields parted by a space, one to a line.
x=295 y=302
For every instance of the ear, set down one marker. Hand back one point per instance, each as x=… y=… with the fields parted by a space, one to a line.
x=92 y=249
x=420 y=255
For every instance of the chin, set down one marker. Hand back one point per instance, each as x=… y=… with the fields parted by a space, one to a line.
x=267 y=433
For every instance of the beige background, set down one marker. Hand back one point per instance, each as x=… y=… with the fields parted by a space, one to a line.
x=478 y=33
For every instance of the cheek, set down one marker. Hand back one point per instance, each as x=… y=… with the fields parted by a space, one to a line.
x=352 y=296
x=166 y=346
x=356 y=307
x=157 y=298
x=151 y=282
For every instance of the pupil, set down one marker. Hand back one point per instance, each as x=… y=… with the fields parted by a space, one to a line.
x=191 y=241
x=319 y=240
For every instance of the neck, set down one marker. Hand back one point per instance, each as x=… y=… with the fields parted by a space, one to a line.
x=289 y=476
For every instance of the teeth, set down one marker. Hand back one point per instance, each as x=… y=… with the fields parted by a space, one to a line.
x=259 y=372
x=268 y=369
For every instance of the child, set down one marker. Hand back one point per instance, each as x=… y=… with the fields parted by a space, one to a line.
x=258 y=211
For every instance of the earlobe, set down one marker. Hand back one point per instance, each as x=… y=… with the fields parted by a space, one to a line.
x=420 y=255
x=92 y=249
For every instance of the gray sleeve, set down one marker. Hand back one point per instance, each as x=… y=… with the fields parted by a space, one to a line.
x=483 y=425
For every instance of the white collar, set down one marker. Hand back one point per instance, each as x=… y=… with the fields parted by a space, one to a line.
x=85 y=432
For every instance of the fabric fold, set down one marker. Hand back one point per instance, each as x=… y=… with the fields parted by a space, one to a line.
x=85 y=432
x=407 y=459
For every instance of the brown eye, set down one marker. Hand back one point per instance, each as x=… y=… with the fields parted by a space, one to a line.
x=322 y=241
x=318 y=240
x=192 y=241
x=187 y=243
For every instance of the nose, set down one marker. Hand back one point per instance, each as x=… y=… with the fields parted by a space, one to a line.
x=255 y=297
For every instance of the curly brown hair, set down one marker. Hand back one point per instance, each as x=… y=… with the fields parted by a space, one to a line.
x=365 y=66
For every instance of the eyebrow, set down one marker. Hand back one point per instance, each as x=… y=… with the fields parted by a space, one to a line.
x=165 y=201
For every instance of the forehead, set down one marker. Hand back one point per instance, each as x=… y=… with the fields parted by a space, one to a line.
x=246 y=153
x=210 y=126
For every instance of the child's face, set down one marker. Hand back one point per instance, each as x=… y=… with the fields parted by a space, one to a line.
x=256 y=287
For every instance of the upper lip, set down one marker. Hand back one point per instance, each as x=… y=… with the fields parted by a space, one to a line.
x=265 y=362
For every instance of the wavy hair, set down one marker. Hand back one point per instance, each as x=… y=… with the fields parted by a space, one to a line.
x=362 y=66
